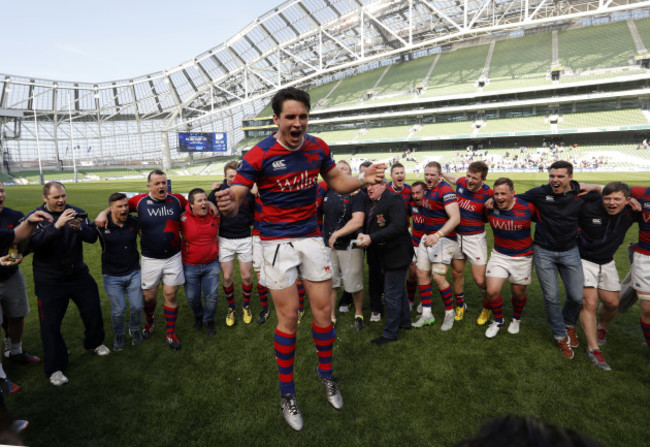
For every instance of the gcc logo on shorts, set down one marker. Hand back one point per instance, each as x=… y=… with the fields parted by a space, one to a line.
x=279 y=165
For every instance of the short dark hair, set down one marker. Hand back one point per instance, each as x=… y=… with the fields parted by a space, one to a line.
x=116 y=196
x=365 y=164
x=195 y=191
x=155 y=172
x=613 y=187
x=396 y=165
x=480 y=167
x=289 y=93
x=233 y=164
x=504 y=181
x=562 y=164
x=419 y=183
x=434 y=164
x=48 y=186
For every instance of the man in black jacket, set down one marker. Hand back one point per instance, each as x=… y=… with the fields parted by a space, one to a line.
x=388 y=241
x=60 y=275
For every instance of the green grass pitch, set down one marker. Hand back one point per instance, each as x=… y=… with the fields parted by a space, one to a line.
x=430 y=388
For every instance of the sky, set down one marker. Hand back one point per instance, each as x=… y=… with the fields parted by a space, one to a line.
x=97 y=41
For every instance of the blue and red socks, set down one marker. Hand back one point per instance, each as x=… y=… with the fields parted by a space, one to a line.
x=246 y=293
x=447 y=298
x=518 y=307
x=229 y=291
x=171 y=313
x=411 y=288
x=263 y=293
x=497 y=309
x=324 y=338
x=425 y=295
x=285 y=350
x=149 y=310
x=460 y=299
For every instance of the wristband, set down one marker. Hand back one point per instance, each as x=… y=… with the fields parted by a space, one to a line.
x=362 y=179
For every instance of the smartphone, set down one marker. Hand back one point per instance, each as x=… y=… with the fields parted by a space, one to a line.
x=81 y=215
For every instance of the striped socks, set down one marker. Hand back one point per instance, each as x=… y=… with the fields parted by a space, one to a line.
x=285 y=350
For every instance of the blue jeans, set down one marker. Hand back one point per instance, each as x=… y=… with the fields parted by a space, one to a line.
x=117 y=287
x=202 y=277
x=396 y=310
x=567 y=263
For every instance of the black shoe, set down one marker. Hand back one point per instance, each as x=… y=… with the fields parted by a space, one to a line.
x=264 y=315
x=198 y=323
x=210 y=329
x=382 y=341
x=358 y=323
x=406 y=328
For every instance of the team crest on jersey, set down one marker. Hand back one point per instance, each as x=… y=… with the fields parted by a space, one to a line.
x=149 y=202
x=461 y=190
x=183 y=217
x=279 y=165
x=550 y=199
x=596 y=221
x=381 y=220
x=646 y=205
x=414 y=210
x=107 y=231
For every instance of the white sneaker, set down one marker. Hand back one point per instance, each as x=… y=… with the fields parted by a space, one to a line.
x=424 y=320
x=448 y=322
x=343 y=308
x=410 y=307
x=375 y=316
x=57 y=378
x=513 y=327
x=493 y=329
x=101 y=350
x=419 y=308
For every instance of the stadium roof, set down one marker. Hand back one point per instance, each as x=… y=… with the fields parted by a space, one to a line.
x=294 y=42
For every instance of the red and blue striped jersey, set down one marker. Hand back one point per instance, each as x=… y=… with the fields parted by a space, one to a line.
x=256 y=216
x=433 y=208
x=405 y=192
x=642 y=194
x=511 y=228
x=472 y=207
x=287 y=182
x=160 y=223
x=417 y=219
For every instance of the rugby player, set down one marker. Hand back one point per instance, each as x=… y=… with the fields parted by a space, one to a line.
x=472 y=194
x=511 y=258
x=285 y=167
x=438 y=245
x=604 y=221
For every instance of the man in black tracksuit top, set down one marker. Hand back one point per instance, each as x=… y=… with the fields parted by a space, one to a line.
x=235 y=238
x=604 y=221
x=555 y=251
x=60 y=275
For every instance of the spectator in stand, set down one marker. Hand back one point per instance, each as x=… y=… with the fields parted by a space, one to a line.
x=235 y=239
x=472 y=193
x=343 y=216
x=200 y=248
x=121 y=269
x=60 y=274
x=604 y=221
x=387 y=239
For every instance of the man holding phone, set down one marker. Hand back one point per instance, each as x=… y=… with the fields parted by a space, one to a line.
x=60 y=274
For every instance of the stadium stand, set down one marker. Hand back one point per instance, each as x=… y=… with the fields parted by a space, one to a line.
x=457 y=72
